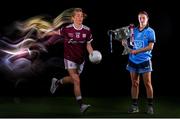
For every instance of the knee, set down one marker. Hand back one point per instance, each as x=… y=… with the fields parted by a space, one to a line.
x=76 y=79
x=148 y=84
x=135 y=83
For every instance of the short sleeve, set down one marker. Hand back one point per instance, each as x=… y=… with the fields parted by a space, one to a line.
x=89 y=37
x=151 y=36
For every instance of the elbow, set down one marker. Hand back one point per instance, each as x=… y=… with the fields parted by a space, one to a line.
x=150 y=47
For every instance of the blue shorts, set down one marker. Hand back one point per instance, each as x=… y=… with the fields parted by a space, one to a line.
x=143 y=67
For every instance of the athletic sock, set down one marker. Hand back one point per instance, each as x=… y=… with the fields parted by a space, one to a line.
x=79 y=100
x=60 y=81
x=150 y=101
x=135 y=102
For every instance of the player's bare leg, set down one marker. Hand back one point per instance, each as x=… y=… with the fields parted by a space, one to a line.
x=77 y=91
x=149 y=91
x=134 y=92
x=55 y=83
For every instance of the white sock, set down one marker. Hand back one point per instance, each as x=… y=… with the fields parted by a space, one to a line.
x=78 y=97
x=61 y=80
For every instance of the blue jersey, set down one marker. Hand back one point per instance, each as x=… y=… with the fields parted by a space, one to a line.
x=141 y=40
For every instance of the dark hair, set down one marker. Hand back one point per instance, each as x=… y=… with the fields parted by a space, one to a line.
x=144 y=12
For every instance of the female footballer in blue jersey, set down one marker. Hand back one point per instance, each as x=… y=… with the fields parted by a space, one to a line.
x=139 y=62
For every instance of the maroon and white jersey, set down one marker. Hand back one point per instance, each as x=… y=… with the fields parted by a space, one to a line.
x=75 y=41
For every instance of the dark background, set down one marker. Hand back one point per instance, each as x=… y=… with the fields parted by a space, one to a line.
x=109 y=78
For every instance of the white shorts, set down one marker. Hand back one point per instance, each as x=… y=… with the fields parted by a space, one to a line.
x=72 y=65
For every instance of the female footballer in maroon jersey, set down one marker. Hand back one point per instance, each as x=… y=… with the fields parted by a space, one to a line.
x=77 y=39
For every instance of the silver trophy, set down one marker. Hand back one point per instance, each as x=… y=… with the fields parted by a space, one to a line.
x=120 y=34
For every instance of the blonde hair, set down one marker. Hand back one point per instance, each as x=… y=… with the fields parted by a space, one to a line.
x=41 y=25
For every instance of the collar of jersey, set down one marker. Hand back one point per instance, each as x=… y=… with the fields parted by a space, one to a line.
x=77 y=28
